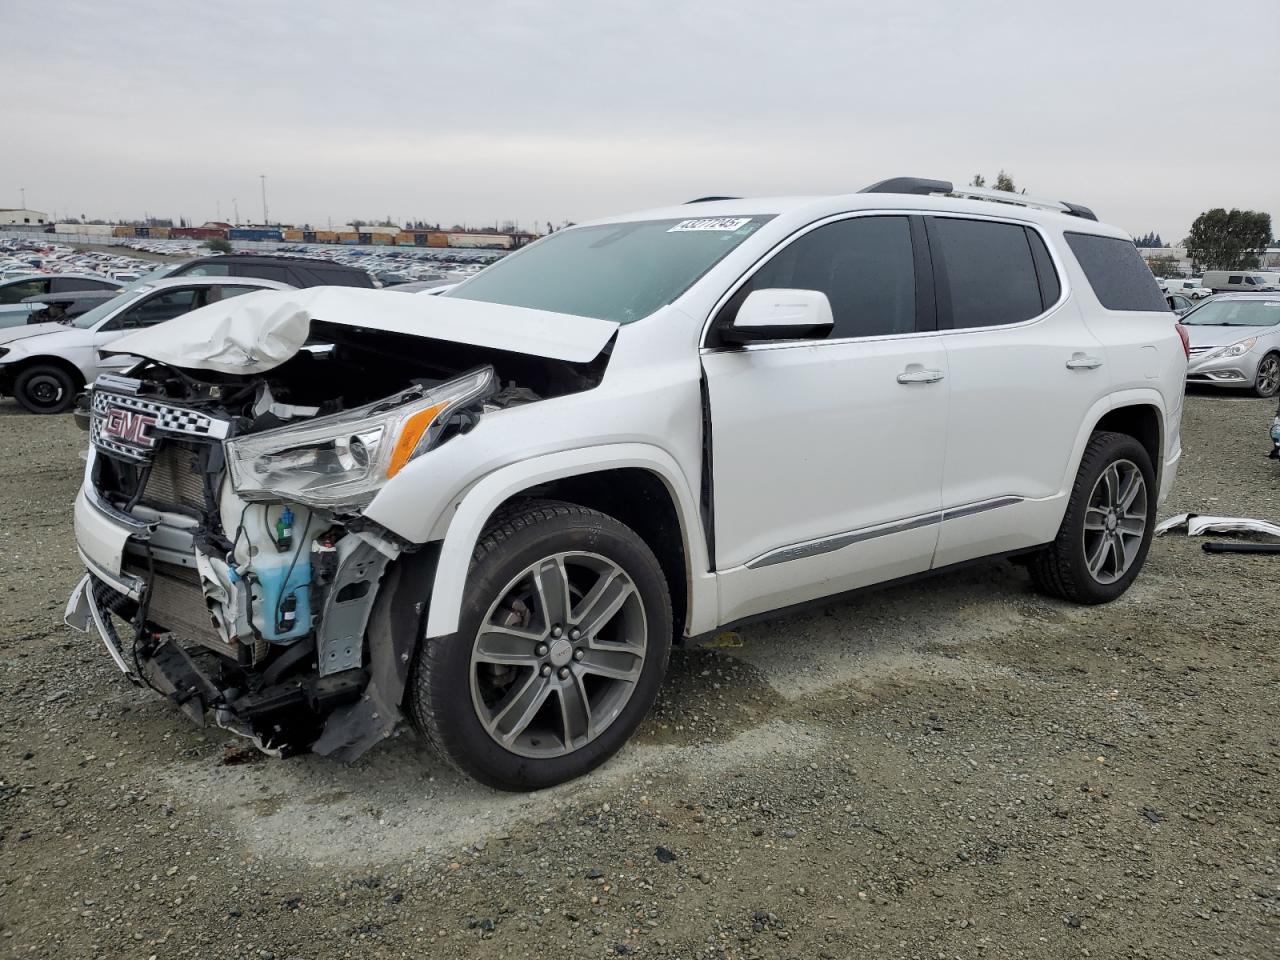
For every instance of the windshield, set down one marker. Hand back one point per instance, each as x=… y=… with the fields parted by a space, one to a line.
x=87 y=320
x=617 y=271
x=1235 y=313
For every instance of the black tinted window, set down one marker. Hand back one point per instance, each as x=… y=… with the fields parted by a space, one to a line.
x=863 y=265
x=161 y=307
x=17 y=292
x=1050 y=286
x=985 y=271
x=1120 y=278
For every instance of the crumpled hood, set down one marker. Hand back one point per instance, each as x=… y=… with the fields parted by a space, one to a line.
x=10 y=334
x=259 y=331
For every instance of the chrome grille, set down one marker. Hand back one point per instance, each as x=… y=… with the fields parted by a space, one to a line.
x=1196 y=351
x=146 y=418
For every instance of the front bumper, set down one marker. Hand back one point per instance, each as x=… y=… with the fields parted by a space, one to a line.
x=1225 y=371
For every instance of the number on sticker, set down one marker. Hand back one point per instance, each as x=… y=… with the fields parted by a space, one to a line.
x=728 y=224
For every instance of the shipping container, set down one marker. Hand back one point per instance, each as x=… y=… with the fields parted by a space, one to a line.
x=437 y=239
x=124 y=231
x=161 y=233
x=85 y=229
x=197 y=233
x=486 y=241
x=293 y=235
x=406 y=238
x=326 y=236
x=348 y=236
x=253 y=233
x=383 y=239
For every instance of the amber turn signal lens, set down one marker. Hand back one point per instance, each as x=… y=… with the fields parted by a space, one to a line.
x=410 y=435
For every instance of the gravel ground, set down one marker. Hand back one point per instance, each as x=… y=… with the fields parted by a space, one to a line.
x=954 y=769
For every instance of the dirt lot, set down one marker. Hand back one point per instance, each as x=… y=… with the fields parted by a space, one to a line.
x=956 y=769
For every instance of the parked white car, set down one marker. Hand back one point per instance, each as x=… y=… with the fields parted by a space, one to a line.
x=44 y=365
x=500 y=507
x=14 y=312
x=1191 y=288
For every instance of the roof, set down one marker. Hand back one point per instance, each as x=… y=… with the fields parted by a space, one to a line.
x=807 y=208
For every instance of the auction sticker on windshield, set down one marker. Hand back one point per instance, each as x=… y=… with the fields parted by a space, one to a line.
x=727 y=224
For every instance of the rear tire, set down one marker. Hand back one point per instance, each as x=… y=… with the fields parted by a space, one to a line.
x=45 y=388
x=562 y=645
x=1106 y=532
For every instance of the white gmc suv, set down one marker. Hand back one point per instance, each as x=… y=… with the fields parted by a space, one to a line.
x=306 y=513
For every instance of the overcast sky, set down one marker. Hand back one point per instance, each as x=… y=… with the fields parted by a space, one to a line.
x=471 y=110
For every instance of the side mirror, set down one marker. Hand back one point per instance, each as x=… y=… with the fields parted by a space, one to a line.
x=780 y=315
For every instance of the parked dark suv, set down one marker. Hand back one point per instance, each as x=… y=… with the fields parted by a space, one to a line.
x=295 y=271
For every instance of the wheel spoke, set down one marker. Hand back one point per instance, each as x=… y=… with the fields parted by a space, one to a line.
x=515 y=713
x=603 y=602
x=1130 y=491
x=551 y=580
x=1120 y=550
x=1098 y=555
x=1111 y=477
x=507 y=645
x=575 y=711
x=615 y=662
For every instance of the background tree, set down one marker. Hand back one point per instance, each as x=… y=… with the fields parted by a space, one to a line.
x=1151 y=239
x=1164 y=266
x=1229 y=240
x=218 y=245
x=1002 y=182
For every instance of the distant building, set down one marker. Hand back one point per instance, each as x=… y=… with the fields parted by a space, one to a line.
x=10 y=216
x=1269 y=259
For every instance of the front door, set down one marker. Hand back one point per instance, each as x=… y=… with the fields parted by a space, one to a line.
x=827 y=455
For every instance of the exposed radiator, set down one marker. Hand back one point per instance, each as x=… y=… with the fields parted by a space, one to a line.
x=177 y=604
x=175 y=478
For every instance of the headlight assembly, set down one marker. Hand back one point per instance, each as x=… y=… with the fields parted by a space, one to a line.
x=340 y=461
x=1235 y=350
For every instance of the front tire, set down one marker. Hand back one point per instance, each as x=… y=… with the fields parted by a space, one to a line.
x=45 y=388
x=1106 y=532
x=562 y=644
x=1266 y=383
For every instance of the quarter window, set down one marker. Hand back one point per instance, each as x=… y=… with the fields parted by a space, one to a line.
x=17 y=292
x=987 y=273
x=1120 y=278
x=1234 y=279
x=864 y=265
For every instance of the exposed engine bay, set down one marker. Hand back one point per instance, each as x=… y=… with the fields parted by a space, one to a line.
x=251 y=589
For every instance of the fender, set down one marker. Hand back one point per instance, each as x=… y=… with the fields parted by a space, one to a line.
x=472 y=508
x=1137 y=397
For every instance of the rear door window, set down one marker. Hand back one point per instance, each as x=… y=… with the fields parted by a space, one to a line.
x=1120 y=278
x=17 y=292
x=986 y=273
x=865 y=266
x=161 y=307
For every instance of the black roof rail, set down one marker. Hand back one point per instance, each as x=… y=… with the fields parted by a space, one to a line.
x=918 y=185
x=709 y=199
x=1079 y=210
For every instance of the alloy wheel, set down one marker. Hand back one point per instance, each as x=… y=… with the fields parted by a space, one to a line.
x=558 y=655
x=1268 y=380
x=1115 y=521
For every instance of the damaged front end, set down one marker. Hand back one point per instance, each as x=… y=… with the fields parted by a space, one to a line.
x=229 y=564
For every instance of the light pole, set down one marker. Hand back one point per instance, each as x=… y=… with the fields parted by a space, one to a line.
x=265 y=221
x=24 y=197
x=235 y=211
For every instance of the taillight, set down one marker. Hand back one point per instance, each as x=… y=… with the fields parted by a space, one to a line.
x=1186 y=339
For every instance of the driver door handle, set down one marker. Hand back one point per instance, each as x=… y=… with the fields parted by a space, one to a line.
x=918 y=374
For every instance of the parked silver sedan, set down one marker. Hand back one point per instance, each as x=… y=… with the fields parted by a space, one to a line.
x=1235 y=342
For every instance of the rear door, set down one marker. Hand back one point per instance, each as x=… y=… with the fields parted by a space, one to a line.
x=826 y=454
x=1024 y=372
